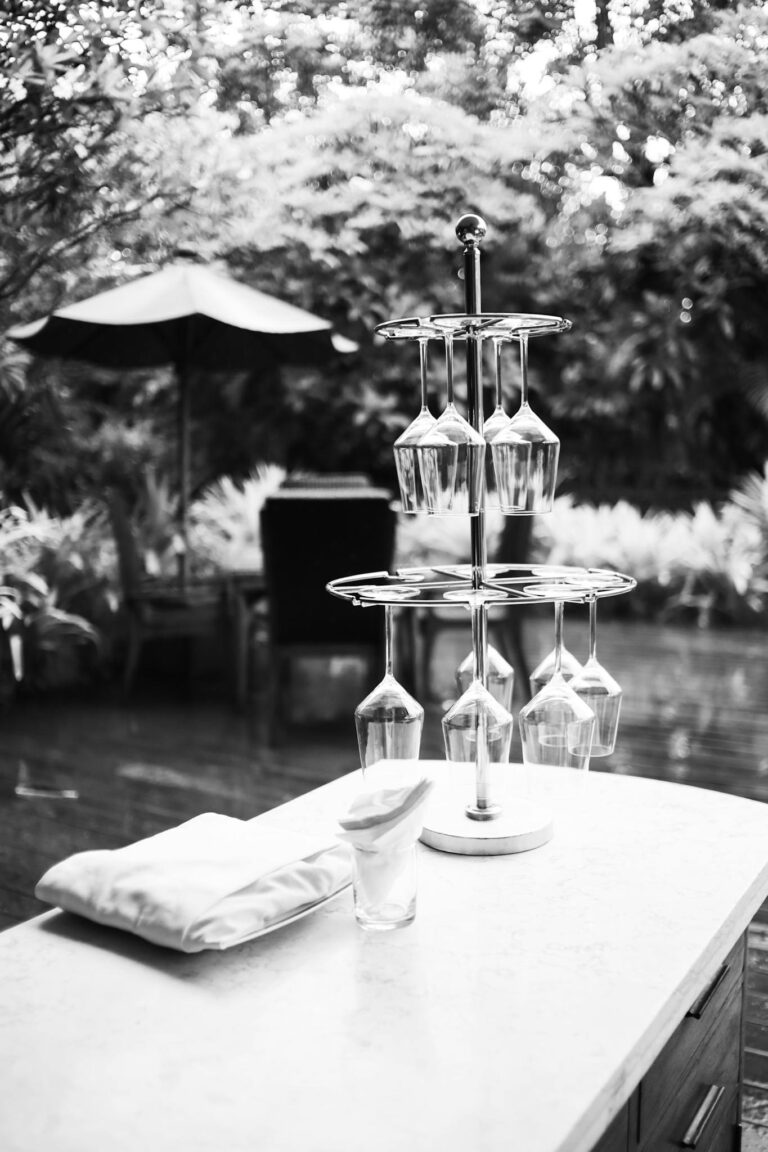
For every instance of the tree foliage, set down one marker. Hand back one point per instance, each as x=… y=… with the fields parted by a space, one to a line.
x=657 y=189
x=323 y=151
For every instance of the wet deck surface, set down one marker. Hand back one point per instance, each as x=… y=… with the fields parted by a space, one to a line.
x=695 y=711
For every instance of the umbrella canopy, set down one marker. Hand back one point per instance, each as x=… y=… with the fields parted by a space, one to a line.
x=184 y=314
x=190 y=317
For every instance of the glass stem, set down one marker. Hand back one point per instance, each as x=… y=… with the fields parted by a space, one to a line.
x=479 y=641
x=593 y=628
x=389 y=639
x=524 y=369
x=497 y=369
x=558 y=637
x=423 y=348
x=449 y=367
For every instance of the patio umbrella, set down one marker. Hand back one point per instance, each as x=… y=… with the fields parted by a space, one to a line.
x=188 y=316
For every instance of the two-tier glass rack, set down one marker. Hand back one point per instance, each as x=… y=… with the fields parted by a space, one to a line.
x=482 y=826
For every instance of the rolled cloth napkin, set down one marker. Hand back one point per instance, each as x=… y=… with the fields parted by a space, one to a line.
x=212 y=882
x=387 y=819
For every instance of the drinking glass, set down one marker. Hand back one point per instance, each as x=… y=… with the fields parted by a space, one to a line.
x=545 y=449
x=499 y=673
x=388 y=721
x=451 y=457
x=510 y=488
x=406 y=459
x=569 y=665
x=384 y=887
x=597 y=688
x=557 y=726
x=476 y=723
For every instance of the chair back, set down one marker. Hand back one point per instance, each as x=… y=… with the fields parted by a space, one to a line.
x=326 y=480
x=514 y=543
x=311 y=537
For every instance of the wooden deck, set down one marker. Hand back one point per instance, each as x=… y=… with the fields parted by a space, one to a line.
x=695 y=711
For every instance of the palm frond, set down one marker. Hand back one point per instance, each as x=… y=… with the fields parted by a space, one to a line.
x=751 y=497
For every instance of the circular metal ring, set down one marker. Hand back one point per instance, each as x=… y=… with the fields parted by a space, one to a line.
x=504 y=584
x=481 y=326
x=475 y=598
x=386 y=592
x=409 y=328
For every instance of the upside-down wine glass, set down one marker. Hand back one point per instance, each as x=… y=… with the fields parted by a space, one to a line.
x=545 y=449
x=557 y=726
x=517 y=451
x=451 y=456
x=597 y=688
x=477 y=729
x=406 y=459
x=545 y=670
x=388 y=721
x=499 y=676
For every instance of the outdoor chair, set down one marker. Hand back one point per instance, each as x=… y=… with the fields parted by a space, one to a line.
x=308 y=538
x=162 y=609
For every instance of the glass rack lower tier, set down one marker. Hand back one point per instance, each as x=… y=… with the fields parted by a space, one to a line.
x=499 y=584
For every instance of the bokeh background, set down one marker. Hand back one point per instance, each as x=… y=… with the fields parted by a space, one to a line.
x=322 y=152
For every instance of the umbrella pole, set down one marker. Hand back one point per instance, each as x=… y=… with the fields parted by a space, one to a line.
x=183 y=450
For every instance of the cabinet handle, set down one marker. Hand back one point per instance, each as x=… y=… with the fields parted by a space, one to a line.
x=699 y=1007
x=704 y=1114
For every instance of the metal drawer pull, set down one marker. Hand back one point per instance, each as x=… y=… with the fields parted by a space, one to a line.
x=698 y=1009
x=705 y=1112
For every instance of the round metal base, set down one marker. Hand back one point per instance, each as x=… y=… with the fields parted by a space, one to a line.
x=521 y=827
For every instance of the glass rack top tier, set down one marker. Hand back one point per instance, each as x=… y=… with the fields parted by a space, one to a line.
x=481 y=325
x=501 y=584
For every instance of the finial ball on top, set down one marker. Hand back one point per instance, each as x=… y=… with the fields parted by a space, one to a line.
x=471 y=228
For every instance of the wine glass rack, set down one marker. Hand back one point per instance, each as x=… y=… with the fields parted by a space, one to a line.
x=481 y=827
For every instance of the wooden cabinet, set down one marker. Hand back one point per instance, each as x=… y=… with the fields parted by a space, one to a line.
x=689 y=1098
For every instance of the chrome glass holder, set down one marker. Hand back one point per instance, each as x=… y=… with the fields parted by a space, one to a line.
x=482 y=826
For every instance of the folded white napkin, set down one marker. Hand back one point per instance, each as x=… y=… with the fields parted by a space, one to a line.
x=387 y=819
x=209 y=883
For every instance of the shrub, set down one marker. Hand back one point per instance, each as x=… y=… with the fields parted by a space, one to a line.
x=709 y=563
x=225 y=522
x=43 y=574
x=422 y=541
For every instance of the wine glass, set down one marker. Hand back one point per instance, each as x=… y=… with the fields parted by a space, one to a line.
x=510 y=489
x=545 y=670
x=597 y=688
x=406 y=460
x=545 y=449
x=557 y=727
x=477 y=729
x=451 y=456
x=388 y=721
x=476 y=723
x=500 y=676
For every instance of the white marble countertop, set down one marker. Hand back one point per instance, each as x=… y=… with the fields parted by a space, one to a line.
x=518 y=1012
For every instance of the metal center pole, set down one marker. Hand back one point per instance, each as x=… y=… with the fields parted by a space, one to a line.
x=470 y=231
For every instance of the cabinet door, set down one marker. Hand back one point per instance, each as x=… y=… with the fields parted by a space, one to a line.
x=726 y=1138
x=695 y=1106
x=714 y=1127
x=662 y=1081
x=691 y=1092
